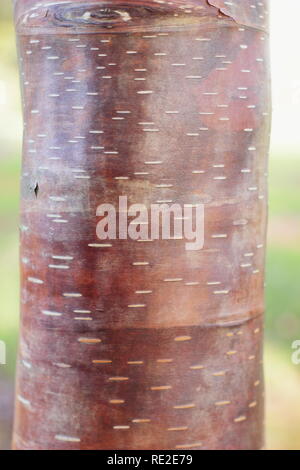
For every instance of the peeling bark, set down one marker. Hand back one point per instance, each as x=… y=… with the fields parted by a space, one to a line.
x=250 y=14
x=129 y=345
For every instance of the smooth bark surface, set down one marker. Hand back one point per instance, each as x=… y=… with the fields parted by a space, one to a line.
x=127 y=344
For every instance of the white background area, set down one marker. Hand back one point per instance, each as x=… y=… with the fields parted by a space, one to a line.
x=285 y=60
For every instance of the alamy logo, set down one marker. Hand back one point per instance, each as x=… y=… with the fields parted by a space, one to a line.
x=296 y=354
x=2 y=353
x=160 y=221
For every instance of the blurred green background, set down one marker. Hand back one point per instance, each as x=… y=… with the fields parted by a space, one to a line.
x=283 y=260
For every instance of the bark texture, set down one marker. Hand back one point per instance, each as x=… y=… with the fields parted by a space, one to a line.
x=142 y=345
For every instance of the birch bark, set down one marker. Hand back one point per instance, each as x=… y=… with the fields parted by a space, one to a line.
x=127 y=344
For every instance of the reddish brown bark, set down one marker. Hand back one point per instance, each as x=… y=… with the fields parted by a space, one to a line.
x=142 y=345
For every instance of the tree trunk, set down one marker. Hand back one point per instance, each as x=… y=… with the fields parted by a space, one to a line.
x=128 y=344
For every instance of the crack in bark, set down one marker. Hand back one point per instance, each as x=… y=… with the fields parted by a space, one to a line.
x=220 y=10
x=36 y=189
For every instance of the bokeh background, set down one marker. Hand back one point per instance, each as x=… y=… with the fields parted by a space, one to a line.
x=283 y=260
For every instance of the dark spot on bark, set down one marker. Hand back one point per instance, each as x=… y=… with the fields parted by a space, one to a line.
x=105 y=13
x=36 y=189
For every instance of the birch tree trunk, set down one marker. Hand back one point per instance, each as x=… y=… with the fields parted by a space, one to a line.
x=129 y=344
